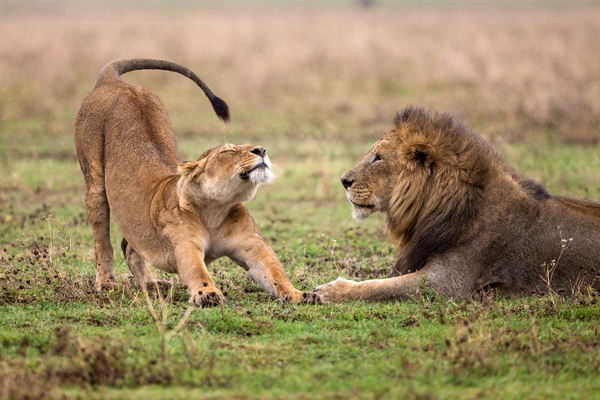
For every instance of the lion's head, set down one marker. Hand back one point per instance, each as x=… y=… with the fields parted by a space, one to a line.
x=227 y=174
x=426 y=175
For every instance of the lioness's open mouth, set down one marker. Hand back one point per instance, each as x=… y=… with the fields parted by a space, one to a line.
x=245 y=175
x=361 y=205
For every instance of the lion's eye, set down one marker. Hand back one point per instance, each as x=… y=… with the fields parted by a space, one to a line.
x=227 y=151
x=376 y=158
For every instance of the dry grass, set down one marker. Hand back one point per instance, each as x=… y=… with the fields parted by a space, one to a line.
x=507 y=69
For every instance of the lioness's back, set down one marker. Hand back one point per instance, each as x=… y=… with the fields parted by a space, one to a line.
x=129 y=122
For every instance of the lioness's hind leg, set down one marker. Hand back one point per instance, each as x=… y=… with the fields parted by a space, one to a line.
x=139 y=268
x=99 y=215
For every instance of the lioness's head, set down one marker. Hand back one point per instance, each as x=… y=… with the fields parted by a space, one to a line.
x=228 y=174
x=426 y=170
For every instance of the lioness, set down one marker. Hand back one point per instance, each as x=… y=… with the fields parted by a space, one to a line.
x=464 y=220
x=176 y=216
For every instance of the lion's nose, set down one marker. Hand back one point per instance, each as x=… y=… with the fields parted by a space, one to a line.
x=260 y=151
x=347 y=183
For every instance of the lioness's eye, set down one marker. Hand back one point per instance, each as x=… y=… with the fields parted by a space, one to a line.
x=376 y=158
x=227 y=151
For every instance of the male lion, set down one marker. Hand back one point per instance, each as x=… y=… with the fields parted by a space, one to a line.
x=176 y=216
x=464 y=220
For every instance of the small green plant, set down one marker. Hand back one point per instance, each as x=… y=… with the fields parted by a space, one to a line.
x=330 y=247
x=58 y=234
x=160 y=317
x=550 y=267
x=427 y=293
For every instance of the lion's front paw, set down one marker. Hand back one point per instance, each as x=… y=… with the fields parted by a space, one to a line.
x=207 y=297
x=335 y=291
x=310 y=298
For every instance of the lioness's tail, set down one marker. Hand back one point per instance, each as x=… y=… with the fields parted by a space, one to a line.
x=114 y=69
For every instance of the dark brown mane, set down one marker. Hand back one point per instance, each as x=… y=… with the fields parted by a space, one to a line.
x=435 y=207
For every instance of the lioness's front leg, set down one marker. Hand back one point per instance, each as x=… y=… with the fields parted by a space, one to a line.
x=400 y=287
x=194 y=275
x=264 y=267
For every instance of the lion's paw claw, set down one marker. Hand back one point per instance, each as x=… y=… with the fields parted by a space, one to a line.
x=334 y=291
x=310 y=298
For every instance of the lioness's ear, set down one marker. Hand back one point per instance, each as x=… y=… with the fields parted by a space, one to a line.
x=193 y=168
x=421 y=153
x=186 y=167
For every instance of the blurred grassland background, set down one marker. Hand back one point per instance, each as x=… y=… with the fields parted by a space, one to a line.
x=316 y=83
x=330 y=69
x=306 y=77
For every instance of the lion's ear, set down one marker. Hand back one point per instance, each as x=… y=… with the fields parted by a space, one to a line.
x=191 y=168
x=421 y=153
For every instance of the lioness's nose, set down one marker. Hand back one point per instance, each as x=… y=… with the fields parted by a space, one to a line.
x=347 y=183
x=260 y=151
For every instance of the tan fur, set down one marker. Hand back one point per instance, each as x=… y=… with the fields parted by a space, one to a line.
x=464 y=220
x=178 y=217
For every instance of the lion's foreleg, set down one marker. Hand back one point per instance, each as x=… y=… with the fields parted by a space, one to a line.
x=400 y=287
x=194 y=275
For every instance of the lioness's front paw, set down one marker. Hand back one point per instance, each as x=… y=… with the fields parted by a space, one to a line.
x=298 y=297
x=207 y=297
x=335 y=291
x=293 y=296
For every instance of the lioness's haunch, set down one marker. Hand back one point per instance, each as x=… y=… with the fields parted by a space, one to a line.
x=464 y=220
x=176 y=216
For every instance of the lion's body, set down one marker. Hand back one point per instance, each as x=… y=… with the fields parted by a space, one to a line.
x=513 y=255
x=465 y=221
x=175 y=216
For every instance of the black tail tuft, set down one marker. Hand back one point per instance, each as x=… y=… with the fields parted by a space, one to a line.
x=221 y=108
x=124 y=247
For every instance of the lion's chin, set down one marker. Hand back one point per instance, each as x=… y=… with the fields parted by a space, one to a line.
x=359 y=212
